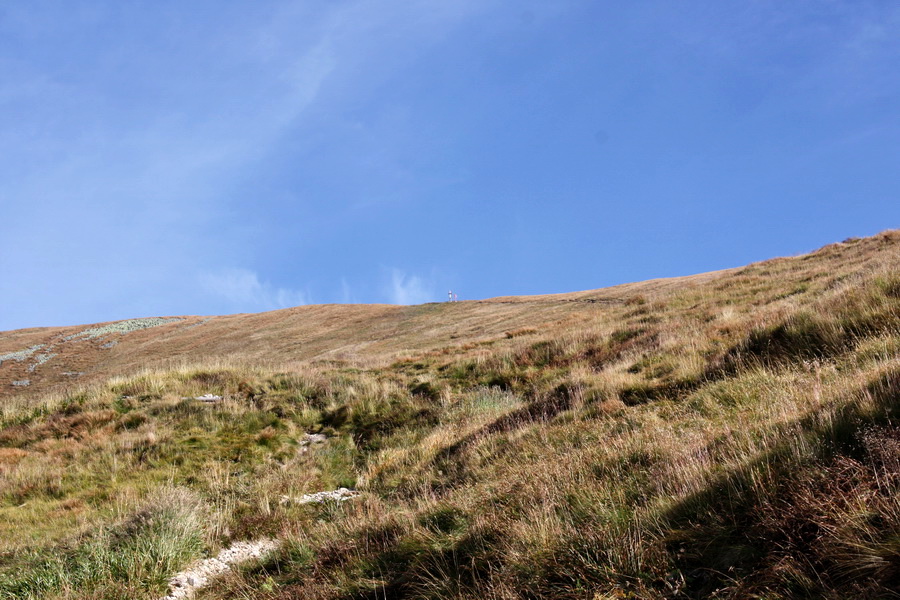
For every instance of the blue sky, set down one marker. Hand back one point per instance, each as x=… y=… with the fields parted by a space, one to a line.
x=206 y=157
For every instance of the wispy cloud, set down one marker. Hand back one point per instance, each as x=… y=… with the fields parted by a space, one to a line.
x=410 y=289
x=347 y=296
x=146 y=147
x=244 y=291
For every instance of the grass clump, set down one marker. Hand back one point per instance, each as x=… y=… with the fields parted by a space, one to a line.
x=128 y=559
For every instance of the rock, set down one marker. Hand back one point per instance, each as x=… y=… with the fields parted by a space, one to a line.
x=338 y=495
x=120 y=327
x=313 y=438
x=208 y=398
x=186 y=583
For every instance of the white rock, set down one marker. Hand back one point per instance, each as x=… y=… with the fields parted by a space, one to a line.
x=208 y=398
x=313 y=438
x=338 y=495
x=185 y=583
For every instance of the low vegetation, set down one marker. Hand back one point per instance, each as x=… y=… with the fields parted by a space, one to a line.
x=737 y=438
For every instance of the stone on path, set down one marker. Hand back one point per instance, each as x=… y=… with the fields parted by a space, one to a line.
x=208 y=398
x=338 y=495
x=186 y=583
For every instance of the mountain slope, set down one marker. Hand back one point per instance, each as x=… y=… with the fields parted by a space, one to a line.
x=64 y=357
x=728 y=435
x=352 y=334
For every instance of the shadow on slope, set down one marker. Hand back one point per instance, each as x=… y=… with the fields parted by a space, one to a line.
x=818 y=517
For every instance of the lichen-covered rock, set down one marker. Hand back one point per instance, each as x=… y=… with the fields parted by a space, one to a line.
x=20 y=355
x=39 y=360
x=121 y=327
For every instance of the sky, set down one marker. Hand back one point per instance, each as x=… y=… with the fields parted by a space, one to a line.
x=212 y=157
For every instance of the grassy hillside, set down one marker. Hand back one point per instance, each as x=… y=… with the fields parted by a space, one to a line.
x=63 y=359
x=733 y=435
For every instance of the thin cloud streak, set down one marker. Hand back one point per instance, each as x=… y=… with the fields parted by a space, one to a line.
x=141 y=155
x=243 y=290
x=410 y=289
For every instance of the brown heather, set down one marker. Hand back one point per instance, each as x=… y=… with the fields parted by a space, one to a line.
x=727 y=435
